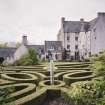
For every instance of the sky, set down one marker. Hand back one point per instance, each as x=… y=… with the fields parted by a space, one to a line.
x=40 y=20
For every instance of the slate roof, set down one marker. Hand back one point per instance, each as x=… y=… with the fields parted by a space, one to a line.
x=53 y=45
x=38 y=48
x=7 y=52
x=92 y=23
x=78 y=26
x=73 y=26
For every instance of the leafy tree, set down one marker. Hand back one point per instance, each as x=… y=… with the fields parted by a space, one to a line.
x=29 y=59
x=3 y=45
x=18 y=44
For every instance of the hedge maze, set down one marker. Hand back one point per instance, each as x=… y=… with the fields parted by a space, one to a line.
x=31 y=84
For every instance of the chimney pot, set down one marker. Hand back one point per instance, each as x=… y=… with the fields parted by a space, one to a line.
x=24 y=40
x=62 y=19
x=101 y=14
x=82 y=20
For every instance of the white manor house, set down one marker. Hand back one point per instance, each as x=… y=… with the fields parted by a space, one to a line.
x=80 y=39
x=83 y=38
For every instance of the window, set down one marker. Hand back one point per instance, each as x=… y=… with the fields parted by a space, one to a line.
x=68 y=38
x=76 y=47
x=77 y=33
x=68 y=46
x=95 y=37
x=94 y=29
x=76 y=38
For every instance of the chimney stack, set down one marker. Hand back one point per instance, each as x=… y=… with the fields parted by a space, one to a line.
x=24 y=40
x=62 y=19
x=62 y=22
x=101 y=14
x=82 y=19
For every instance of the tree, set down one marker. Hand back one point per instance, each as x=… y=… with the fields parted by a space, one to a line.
x=18 y=45
x=3 y=45
x=28 y=59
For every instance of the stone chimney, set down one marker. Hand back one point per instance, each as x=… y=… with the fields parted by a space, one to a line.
x=101 y=14
x=82 y=19
x=62 y=19
x=62 y=22
x=24 y=40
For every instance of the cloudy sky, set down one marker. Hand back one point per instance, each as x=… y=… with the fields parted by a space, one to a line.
x=40 y=19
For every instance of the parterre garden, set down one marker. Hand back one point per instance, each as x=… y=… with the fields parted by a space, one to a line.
x=30 y=85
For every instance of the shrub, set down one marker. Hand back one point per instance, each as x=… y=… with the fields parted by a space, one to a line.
x=4 y=94
x=87 y=93
x=99 y=65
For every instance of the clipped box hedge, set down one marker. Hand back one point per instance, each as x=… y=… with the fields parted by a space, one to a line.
x=35 y=98
x=59 y=75
x=38 y=98
x=46 y=83
x=77 y=76
x=20 y=77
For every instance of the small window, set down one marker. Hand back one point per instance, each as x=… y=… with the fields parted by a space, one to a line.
x=76 y=47
x=68 y=38
x=68 y=46
x=76 y=38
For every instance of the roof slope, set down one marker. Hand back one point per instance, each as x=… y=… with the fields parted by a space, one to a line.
x=7 y=52
x=74 y=26
x=53 y=45
x=38 y=48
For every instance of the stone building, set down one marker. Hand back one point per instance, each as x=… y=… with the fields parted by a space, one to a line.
x=10 y=55
x=83 y=38
x=53 y=50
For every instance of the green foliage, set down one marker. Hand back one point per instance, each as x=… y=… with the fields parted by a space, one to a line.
x=18 y=44
x=4 y=95
x=99 y=65
x=4 y=45
x=29 y=59
x=99 y=68
x=101 y=101
x=88 y=92
x=91 y=92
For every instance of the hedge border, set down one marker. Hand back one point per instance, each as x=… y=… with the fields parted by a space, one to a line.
x=68 y=80
x=60 y=83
